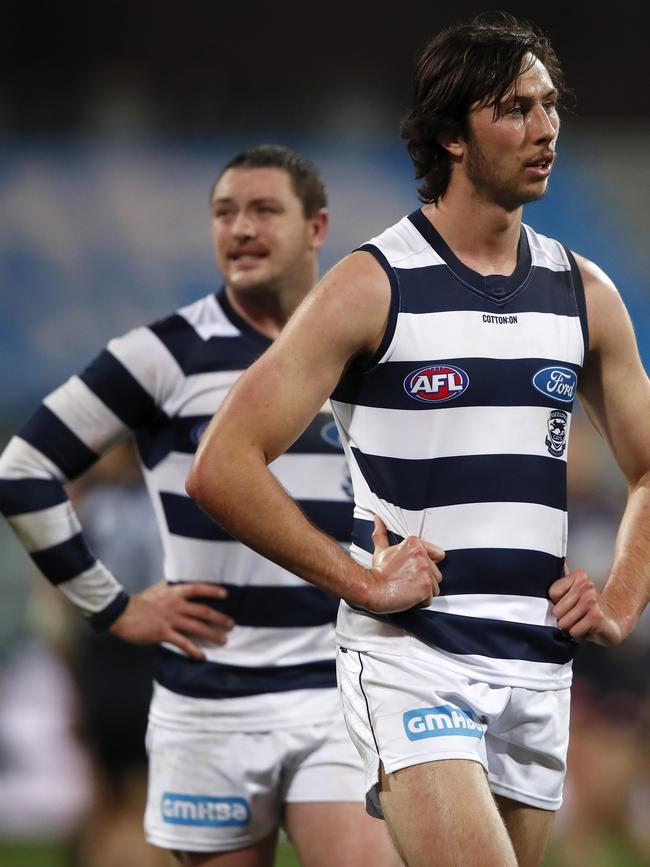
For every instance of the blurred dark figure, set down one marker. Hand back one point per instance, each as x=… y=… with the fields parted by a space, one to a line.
x=604 y=821
x=114 y=677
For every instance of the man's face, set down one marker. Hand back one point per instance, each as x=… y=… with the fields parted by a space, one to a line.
x=259 y=231
x=509 y=160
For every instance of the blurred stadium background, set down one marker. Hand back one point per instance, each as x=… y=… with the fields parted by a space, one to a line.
x=114 y=121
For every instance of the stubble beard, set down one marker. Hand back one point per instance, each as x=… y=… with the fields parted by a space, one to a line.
x=492 y=187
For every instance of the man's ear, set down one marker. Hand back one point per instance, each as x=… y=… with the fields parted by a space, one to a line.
x=453 y=143
x=319 y=226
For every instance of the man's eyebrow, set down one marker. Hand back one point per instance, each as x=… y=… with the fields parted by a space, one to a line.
x=551 y=93
x=227 y=200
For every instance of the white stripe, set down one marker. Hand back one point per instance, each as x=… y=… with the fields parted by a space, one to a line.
x=47 y=527
x=309 y=477
x=521 y=526
x=249 y=645
x=359 y=632
x=20 y=460
x=222 y=562
x=208 y=319
x=92 y=590
x=447 y=431
x=169 y=475
x=149 y=362
x=513 y=609
x=404 y=247
x=85 y=415
x=201 y=393
x=546 y=252
x=312 y=477
x=463 y=334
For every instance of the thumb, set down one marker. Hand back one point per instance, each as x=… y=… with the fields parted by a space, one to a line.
x=567 y=571
x=380 y=535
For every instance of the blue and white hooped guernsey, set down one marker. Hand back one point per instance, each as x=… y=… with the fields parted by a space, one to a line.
x=456 y=431
x=163 y=383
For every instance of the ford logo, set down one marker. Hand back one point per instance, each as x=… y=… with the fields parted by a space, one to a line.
x=557 y=382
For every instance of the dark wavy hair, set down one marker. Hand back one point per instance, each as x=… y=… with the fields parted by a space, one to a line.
x=305 y=177
x=468 y=64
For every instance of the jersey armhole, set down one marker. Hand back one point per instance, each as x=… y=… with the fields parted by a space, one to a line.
x=578 y=289
x=366 y=363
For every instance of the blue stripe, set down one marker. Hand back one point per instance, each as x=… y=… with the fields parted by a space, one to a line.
x=492 y=382
x=320 y=438
x=436 y=289
x=66 y=560
x=367 y=362
x=112 y=383
x=47 y=433
x=183 y=434
x=427 y=484
x=503 y=571
x=165 y=435
x=20 y=496
x=497 y=639
x=333 y=517
x=202 y=679
x=580 y=300
x=185 y=518
x=499 y=288
x=278 y=607
x=195 y=355
x=103 y=619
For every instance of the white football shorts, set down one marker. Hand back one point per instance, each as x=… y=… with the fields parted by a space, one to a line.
x=403 y=711
x=212 y=792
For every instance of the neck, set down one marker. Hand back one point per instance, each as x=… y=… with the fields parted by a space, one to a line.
x=268 y=307
x=487 y=241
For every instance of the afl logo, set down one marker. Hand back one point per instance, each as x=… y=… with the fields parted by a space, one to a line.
x=436 y=383
x=557 y=382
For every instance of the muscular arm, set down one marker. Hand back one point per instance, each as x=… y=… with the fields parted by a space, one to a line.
x=615 y=392
x=265 y=412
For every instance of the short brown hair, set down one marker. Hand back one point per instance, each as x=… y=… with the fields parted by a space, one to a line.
x=305 y=177
x=473 y=63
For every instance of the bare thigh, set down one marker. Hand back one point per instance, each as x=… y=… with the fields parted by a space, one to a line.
x=260 y=854
x=442 y=814
x=528 y=828
x=339 y=835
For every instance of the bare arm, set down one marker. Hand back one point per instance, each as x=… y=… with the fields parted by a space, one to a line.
x=615 y=392
x=265 y=412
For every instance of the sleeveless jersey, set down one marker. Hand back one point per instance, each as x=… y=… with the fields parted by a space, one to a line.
x=456 y=432
x=163 y=382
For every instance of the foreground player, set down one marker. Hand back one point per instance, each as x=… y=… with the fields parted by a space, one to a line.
x=453 y=344
x=247 y=736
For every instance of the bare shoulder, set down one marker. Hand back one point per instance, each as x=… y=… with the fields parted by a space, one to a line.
x=351 y=301
x=606 y=312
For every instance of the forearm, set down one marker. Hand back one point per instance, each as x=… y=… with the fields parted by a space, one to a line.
x=34 y=501
x=236 y=488
x=627 y=591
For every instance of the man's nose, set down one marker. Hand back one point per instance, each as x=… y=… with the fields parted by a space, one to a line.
x=544 y=128
x=243 y=226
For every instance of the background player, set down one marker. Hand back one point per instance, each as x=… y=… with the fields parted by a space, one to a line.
x=444 y=413
x=246 y=736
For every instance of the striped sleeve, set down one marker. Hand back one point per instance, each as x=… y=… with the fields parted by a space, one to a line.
x=74 y=425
